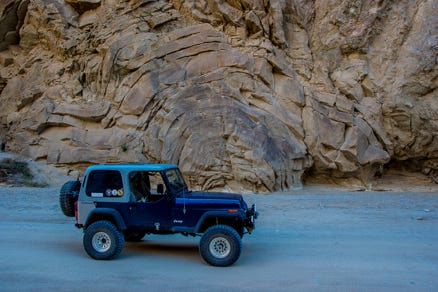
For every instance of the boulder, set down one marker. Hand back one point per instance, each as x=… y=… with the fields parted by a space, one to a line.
x=12 y=14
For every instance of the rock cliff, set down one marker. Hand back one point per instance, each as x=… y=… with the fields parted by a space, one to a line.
x=242 y=94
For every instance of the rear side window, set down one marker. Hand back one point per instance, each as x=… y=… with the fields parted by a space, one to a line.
x=104 y=183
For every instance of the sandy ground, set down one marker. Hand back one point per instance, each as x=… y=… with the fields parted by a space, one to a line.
x=317 y=238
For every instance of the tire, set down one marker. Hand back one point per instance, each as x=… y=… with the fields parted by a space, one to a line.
x=68 y=196
x=103 y=241
x=220 y=246
x=134 y=236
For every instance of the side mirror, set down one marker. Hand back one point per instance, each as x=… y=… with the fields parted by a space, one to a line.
x=160 y=188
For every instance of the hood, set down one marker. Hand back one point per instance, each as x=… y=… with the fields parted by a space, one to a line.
x=212 y=200
x=214 y=195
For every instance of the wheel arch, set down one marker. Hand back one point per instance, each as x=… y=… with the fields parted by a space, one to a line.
x=106 y=214
x=220 y=218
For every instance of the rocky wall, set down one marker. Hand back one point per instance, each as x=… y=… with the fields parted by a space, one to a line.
x=243 y=94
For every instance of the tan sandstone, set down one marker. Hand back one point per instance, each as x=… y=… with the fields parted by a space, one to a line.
x=247 y=95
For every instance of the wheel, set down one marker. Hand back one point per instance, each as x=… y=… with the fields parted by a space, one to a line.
x=220 y=245
x=134 y=236
x=103 y=241
x=68 y=196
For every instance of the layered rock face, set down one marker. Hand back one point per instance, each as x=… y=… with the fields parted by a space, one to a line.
x=242 y=94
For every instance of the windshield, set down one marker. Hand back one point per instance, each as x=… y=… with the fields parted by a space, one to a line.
x=176 y=180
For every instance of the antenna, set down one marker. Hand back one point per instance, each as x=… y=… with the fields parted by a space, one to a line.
x=184 y=200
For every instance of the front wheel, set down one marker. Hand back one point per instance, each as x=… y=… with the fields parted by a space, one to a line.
x=103 y=241
x=220 y=246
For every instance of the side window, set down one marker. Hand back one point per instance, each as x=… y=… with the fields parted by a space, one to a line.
x=146 y=186
x=140 y=185
x=156 y=180
x=104 y=183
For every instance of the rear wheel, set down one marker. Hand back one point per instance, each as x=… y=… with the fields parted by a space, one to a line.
x=220 y=246
x=68 y=196
x=103 y=241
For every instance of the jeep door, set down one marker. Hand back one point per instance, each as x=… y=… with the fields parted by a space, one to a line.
x=150 y=208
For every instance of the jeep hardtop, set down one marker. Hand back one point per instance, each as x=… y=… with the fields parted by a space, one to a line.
x=124 y=202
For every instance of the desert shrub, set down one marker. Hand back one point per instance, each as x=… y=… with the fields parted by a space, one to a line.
x=17 y=173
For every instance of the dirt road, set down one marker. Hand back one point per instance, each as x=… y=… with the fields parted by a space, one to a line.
x=307 y=240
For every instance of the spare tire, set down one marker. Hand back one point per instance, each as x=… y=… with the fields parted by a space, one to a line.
x=68 y=196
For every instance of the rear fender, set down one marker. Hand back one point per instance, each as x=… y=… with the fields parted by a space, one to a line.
x=106 y=214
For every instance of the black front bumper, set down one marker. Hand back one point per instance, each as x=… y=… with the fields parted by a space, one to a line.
x=251 y=216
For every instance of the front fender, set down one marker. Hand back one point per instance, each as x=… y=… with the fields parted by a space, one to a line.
x=106 y=214
x=209 y=218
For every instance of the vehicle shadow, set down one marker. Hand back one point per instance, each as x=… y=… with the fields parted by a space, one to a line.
x=177 y=249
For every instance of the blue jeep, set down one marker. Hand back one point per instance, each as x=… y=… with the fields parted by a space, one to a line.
x=124 y=202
